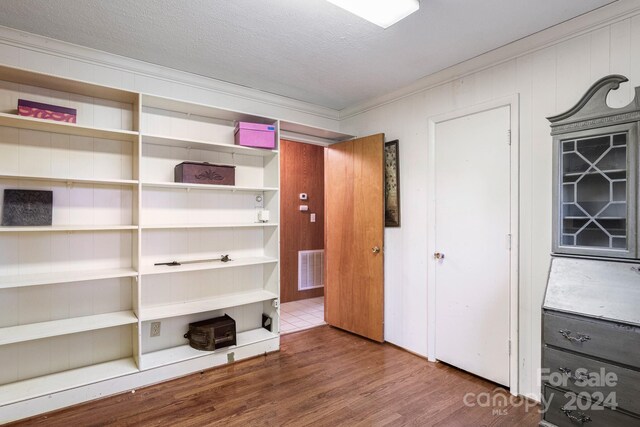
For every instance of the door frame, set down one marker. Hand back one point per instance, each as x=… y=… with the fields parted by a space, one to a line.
x=512 y=101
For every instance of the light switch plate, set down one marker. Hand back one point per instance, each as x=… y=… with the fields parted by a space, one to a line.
x=155 y=329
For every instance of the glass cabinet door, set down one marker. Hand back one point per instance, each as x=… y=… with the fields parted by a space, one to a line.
x=593 y=193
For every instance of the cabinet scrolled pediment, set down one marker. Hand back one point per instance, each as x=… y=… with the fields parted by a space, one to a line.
x=592 y=110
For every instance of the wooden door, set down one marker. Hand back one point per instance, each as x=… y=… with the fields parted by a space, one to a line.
x=472 y=262
x=354 y=234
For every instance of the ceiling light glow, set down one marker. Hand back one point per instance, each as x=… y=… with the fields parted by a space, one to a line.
x=383 y=13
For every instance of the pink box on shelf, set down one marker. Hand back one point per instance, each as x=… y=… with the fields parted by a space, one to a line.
x=255 y=135
x=46 y=111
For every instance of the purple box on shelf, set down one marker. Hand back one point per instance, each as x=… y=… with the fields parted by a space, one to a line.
x=46 y=111
x=255 y=135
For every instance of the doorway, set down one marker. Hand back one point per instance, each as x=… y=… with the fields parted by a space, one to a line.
x=348 y=223
x=302 y=236
x=473 y=224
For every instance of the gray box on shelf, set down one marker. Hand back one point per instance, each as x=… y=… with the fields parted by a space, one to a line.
x=27 y=208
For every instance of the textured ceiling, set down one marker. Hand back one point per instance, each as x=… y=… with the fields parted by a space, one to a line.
x=309 y=50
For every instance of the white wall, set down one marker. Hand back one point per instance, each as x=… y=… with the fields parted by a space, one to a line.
x=549 y=80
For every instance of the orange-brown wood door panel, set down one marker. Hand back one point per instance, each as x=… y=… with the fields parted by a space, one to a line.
x=354 y=236
x=301 y=171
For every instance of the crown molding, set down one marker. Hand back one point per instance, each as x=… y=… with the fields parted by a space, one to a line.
x=601 y=17
x=606 y=15
x=41 y=44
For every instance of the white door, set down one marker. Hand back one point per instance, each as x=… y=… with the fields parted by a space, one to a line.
x=472 y=201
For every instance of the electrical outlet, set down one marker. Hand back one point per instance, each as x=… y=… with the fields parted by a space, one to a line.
x=155 y=329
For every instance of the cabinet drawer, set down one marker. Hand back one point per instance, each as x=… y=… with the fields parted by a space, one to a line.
x=612 y=341
x=565 y=410
x=575 y=367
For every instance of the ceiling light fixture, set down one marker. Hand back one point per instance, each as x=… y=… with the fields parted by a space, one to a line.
x=383 y=13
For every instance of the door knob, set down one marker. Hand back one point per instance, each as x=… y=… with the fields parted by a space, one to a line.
x=438 y=255
x=375 y=250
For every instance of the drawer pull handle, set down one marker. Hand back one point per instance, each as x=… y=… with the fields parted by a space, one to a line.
x=579 y=338
x=578 y=377
x=580 y=417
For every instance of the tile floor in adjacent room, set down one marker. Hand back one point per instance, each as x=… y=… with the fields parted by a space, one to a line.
x=303 y=314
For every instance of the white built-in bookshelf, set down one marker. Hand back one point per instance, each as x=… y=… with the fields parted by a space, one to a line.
x=197 y=222
x=77 y=298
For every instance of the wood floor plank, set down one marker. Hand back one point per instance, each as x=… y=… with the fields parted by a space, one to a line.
x=321 y=377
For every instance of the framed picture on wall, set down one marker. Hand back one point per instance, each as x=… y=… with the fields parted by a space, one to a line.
x=392 y=184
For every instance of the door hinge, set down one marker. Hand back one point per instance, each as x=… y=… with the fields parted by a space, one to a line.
x=509 y=347
x=509 y=137
x=508 y=241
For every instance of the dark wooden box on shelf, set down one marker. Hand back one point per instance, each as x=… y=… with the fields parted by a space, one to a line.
x=212 y=334
x=205 y=173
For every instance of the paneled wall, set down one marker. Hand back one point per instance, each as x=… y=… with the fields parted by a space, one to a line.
x=301 y=171
x=548 y=81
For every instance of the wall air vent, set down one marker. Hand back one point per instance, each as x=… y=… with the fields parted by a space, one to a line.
x=310 y=269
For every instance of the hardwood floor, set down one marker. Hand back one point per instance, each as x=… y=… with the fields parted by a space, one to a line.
x=321 y=377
